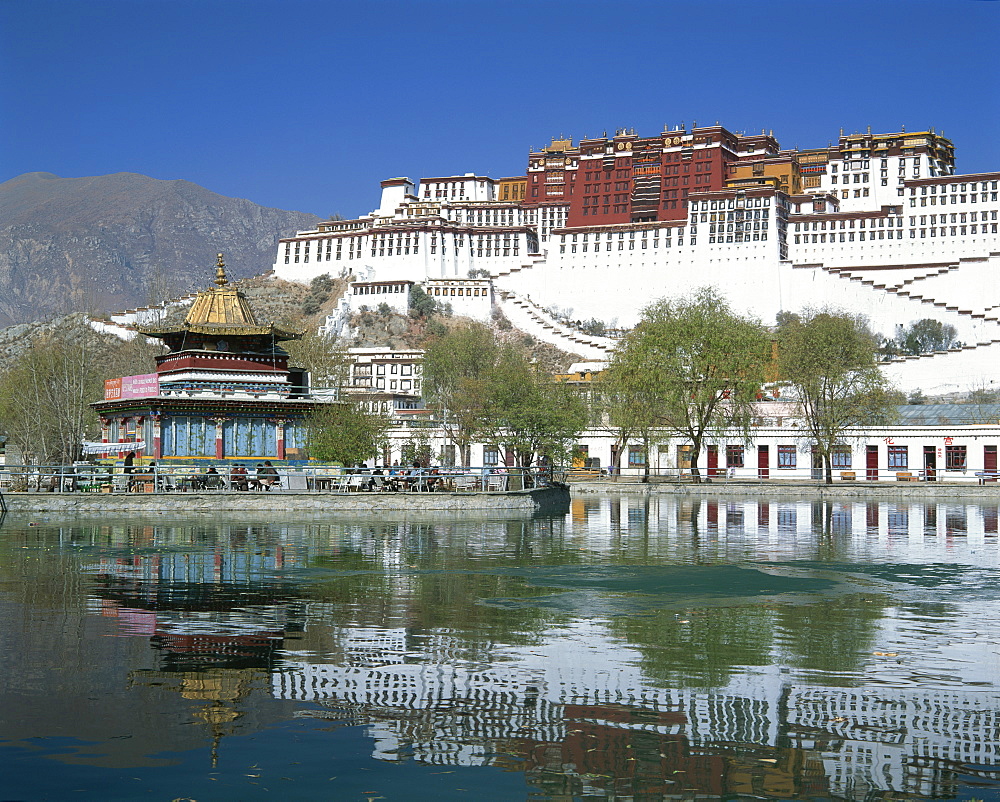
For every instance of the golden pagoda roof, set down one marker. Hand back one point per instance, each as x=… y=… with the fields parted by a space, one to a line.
x=222 y=309
x=222 y=305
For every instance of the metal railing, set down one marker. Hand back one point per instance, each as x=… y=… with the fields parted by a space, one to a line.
x=774 y=475
x=237 y=477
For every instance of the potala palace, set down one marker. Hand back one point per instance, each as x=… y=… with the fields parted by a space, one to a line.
x=878 y=224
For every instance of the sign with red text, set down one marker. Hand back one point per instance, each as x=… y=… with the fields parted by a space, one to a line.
x=146 y=385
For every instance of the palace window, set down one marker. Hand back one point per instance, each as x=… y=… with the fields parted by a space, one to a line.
x=840 y=458
x=898 y=458
x=786 y=457
x=954 y=458
x=734 y=456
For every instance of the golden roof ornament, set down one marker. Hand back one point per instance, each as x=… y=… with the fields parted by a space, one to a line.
x=222 y=310
x=220 y=272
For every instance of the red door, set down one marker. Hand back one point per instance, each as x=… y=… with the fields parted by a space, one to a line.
x=990 y=463
x=871 y=464
x=713 y=460
x=763 y=462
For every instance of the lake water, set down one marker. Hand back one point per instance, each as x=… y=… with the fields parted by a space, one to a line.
x=630 y=649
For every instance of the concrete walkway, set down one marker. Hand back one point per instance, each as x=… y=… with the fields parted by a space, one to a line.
x=914 y=491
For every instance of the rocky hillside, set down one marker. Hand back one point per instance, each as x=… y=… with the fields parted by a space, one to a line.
x=118 y=241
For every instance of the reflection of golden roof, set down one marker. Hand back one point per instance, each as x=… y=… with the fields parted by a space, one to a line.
x=222 y=310
x=222 y=305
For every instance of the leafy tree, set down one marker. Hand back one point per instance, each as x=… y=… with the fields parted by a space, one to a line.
x=691 y=367
x=594 y=327
x=421 y=304
x=458 y=367
x=320 y=289
x=784 y=317
x=829 y=359
x=345 y=433
x=500 y=320
x=529 y=413
x=323 y=356
x=435 y=328
x=925 y=336
x=417 y=448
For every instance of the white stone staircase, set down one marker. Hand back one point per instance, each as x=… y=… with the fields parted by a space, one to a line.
x=918 y=291
x=532 y=319
x=961 y=310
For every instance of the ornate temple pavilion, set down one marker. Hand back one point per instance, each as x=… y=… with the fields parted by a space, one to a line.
x=224 y=389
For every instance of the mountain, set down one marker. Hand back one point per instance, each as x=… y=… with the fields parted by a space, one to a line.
x=119 y=241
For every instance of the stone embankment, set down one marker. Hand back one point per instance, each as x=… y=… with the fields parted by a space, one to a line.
x=917 y=492
x=550 y=499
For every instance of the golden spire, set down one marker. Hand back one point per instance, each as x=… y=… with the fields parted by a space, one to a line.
x=221 y=305
x=220 y=272
x=219 y=310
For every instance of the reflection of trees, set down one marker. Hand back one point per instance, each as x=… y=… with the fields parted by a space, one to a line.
x=700 y=650
x=833 y=635
x=431 y=598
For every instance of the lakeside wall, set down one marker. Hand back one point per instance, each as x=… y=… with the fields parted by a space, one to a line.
x=548 y=499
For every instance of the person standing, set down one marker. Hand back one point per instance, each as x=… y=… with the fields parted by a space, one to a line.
x=128 y=467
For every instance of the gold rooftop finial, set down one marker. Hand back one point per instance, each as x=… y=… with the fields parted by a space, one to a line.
x=220 y=272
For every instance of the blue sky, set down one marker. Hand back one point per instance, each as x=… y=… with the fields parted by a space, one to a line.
x=308 y=105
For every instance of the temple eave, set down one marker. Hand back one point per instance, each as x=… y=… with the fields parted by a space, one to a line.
x=222 y=329
x=212 y=404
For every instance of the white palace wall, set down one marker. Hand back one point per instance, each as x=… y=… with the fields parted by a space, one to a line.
x=615 y=286
x=933 y=253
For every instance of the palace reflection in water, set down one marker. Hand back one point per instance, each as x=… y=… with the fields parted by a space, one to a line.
x=651 y=647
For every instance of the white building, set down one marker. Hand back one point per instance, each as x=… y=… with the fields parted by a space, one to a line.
x=387 y=381
x=895 y=237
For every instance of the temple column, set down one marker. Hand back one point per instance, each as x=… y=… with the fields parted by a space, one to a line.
x=157 y=447
x=105 y=424
x=279 y=431
x=219 y=444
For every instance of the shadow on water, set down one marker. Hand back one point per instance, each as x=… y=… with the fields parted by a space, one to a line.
x=647 y=647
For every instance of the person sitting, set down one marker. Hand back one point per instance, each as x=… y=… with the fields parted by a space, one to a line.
x=213 y=481
x=238 y=477
x=253 y=482
x=414 y=477
x=268 y=475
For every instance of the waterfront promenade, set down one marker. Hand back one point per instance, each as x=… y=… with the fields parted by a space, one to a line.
x=912 y=491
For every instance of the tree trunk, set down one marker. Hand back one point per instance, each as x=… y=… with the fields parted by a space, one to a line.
x=695 y=451
x=828 y=467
